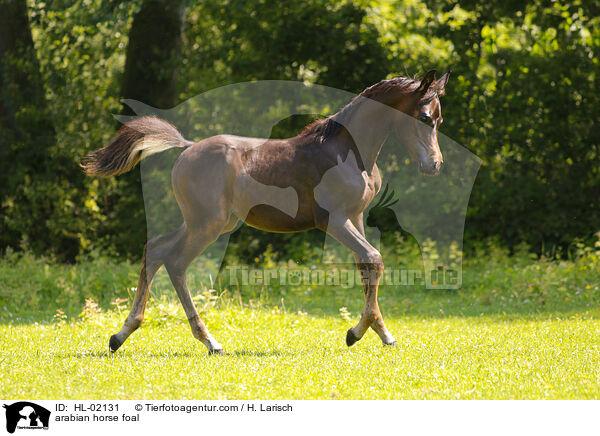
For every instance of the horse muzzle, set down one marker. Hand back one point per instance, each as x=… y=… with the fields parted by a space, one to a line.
x=430 y=168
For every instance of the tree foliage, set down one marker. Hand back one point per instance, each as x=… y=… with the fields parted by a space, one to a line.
x=523 y=96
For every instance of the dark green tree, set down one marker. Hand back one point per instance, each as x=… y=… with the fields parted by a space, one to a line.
x=154 y=53
x=27 y=200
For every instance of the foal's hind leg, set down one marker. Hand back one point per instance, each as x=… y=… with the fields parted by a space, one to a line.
x=151 y=262
x=189 y=245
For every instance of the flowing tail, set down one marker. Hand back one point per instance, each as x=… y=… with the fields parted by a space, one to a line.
x=136 y=140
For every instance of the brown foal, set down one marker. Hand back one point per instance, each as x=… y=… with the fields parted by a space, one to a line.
x=323 y=178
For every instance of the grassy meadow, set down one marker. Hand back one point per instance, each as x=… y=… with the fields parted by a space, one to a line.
x=521 y=327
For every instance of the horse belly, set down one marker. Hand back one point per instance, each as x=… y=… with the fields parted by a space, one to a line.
x=272 y=219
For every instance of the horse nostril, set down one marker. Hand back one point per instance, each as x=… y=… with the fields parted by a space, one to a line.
x=436 y=165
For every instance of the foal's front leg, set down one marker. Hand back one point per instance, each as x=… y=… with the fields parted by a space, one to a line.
x=370 y=265
x=371 y=273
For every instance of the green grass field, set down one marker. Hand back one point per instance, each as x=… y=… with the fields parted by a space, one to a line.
x=520 y=328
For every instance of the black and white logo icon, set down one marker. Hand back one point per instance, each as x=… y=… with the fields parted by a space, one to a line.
x=26 y=415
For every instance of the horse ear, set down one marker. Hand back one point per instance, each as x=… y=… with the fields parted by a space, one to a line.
x=441 y=83
x=426 y=82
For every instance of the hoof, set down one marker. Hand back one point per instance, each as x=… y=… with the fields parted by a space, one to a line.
x=391 y=344
x=351 y=338
x=114 y=343
x=216 y=351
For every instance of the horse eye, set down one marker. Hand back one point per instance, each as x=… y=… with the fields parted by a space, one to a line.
x=426 y=119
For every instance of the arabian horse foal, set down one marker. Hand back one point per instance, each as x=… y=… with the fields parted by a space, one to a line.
x=323 y=178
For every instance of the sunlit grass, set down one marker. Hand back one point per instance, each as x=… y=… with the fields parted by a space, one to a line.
x=279 y=355
x=520 y=328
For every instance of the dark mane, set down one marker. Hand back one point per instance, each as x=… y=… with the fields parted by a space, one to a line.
x=321 y=130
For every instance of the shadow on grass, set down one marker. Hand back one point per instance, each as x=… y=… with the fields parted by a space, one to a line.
x=127 y=354
x=255 y=353
x=169 y=354
x=82 y=355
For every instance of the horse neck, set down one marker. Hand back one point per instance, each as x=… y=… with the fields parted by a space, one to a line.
x=369 y=126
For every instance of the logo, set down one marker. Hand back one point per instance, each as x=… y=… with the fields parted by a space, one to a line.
x=26 y=415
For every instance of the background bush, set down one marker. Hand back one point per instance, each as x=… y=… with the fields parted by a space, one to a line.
x=523 y=96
